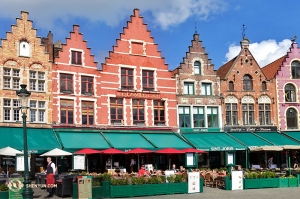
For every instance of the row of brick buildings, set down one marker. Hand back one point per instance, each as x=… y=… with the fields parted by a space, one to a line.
x=134 y=89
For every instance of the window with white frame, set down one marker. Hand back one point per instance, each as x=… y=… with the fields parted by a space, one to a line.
x=212 y=117
x=248 y=114
x=231 y=114
x=37 y=111
x=198 y=116
x=76 y=57
x=36 y=81
x=264 y=114
x=206 y=89
x=24 y=49
x=197 y=68
x=11 y=110
x=11 y=78
x=184 y=117
x=188 y=88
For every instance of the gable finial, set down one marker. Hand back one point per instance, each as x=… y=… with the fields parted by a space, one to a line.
x=243 y=31
x=195 y=27
x=294 y=39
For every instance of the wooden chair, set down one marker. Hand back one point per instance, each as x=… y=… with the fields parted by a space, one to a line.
x=207 y=179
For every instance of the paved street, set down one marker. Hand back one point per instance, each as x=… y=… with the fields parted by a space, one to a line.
x=213 y=193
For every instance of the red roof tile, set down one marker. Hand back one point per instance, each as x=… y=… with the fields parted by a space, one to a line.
x=223 y=70
x=271 y=69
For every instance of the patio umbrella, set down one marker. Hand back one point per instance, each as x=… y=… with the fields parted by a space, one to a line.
x=87 y=151
x=56 y=152
x=139 y=151
x=8 y=151
x=112 y=151
x=169 y=151
x=192 y=150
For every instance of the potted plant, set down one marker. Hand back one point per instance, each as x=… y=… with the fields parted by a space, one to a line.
x=120 y=188
x=159 y=186
x=251 y=180
x=139 y=187
x=3 y=191
x=177 y=184
x=267 y=179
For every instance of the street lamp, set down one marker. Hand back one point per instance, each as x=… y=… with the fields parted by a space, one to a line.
x=23 y=95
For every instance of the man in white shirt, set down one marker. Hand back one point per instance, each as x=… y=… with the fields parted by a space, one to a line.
x=50 y=176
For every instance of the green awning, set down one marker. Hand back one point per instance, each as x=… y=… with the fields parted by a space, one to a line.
x=76 y=140
x=293 y=135
x=213 y=141
x=166 y=140
x=277 y=138
x=250 y=139
x=127 y=141
x=39 y=140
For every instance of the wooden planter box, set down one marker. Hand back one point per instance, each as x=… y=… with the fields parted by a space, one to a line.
x=140 y=190
x=293 y=182
x=267 y=182
x=252 y=183
x=105 y=188
x=159 y=189
x=120 y=191
x=181 y=187
x=96 y=192
x=4 y=194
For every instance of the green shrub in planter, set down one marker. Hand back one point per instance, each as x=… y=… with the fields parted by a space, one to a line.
x=3 y=187
x=138 y=180
x=171 y=178
x=106 y=177
x=178 y=178
x=95 y=183
x=118 y=182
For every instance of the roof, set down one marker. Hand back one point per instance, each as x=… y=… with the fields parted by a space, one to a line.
x=271 y=69
x=223 y=70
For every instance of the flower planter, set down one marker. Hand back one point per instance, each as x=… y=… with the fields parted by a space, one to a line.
x=201 y=185
x=228 y=183
x=298 y=177
x=283 y=182
x=293 y=182
x=120 y=191
x=105 y=188
x=3 y=194
x=140 y=190
x=267 y=183
x=75 y=191
x=251 y=183
x=159 y=189
x=96 y=192
x=181 y=187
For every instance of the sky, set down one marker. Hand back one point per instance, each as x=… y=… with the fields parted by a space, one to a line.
x=269 y=24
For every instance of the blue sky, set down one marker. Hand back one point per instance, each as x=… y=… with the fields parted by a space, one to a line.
x=270 y=24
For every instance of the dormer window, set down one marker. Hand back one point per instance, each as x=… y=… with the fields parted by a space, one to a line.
x=76 y=57
x=24 y=49
x=197 y=68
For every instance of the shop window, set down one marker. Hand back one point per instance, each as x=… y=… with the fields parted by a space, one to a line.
x=87 y=113
x=188 y=88
x=127 y=78
x=197 y=68
x=231 y=114
x=87 y=85
x=264 y=114
x=116 y=111
x=206 y=89
x=76 y=57
x=291 y=118
x=184 y=117
x=159 y=112
x=66 y=111
x=295 y=70
x=11 y=78
x=198 y=117
x=212 y=117
x=66 y=83
x=138 y=112
x=148 y=79
x=247 y=83
x=290 y=93
x=248 y=114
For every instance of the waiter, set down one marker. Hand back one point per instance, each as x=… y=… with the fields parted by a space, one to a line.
x=50 y=176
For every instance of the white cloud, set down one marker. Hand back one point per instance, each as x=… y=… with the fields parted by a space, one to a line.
x=166 y=13
x=264 y=52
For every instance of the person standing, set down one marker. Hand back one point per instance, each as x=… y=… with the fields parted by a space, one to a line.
x=50 y=176
x=131 y=164
x=270 y=162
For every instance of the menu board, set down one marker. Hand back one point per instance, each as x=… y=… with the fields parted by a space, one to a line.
x=190 y=159
x=237 y=180
x=194 y=182
x=230 y=158
x=85 y=187
x=79 y=162
x=20 y=163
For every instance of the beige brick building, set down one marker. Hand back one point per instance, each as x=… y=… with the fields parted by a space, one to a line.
x=25 y=60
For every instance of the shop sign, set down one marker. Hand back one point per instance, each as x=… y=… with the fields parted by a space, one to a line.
x=251 y=129
x=140 y=95
x=229 y=148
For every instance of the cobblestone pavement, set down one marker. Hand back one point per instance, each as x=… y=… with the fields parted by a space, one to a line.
x=213 y=193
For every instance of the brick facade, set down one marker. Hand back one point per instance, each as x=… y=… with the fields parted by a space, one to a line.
x=25 y=60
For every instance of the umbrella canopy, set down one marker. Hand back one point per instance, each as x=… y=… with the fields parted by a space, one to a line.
x=192 y=150
x=139 y=151
x=87 y=151
x=291 y=147
x=169 y=151
x=8 y=151
x=112 y=151
x=267 y=148
x=56 y=152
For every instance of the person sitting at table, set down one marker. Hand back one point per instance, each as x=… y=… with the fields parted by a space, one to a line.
x=142 y=171
x=174 y=168
x=117 y=172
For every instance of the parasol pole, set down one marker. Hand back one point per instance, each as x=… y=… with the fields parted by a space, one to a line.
x=169 y=162
x=138 y=161
x=111 y=161
x=87 y=164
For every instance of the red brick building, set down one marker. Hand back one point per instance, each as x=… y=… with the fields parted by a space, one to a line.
x=136 y=86
x=249 y=96
x=76 y=83
x=198 y=91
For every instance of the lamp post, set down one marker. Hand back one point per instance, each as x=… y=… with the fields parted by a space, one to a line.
x=23 y=95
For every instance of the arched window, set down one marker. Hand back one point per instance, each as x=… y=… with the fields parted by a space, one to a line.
x=291 y=119
x=24 y=49
x=247 y=82
x=290 y=93
x=264 y=86
x=295 y=70
x=197 y=67
x=231 y=86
